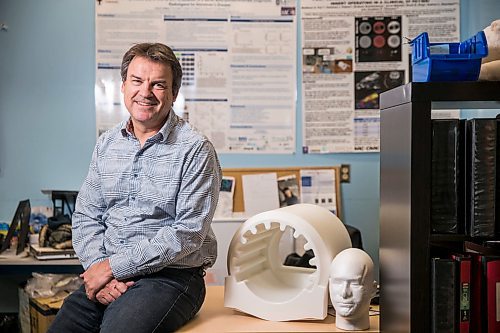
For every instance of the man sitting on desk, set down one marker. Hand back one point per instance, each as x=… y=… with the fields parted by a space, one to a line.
x=141 y=227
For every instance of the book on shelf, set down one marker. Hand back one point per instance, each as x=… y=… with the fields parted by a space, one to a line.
x=463 y=292
x=497 y=187
x=491 y=294
x=485 y=288
x=443 y=295
x=476 y=293
x=447 y=180
x=481 y=142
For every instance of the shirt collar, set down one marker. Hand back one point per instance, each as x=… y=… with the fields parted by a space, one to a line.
x=127 y=127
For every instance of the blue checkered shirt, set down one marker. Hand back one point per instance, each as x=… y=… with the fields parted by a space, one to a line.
x=151 y=207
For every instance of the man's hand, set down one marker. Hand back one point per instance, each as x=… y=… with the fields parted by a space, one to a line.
x=112 y=291
x=96 y=277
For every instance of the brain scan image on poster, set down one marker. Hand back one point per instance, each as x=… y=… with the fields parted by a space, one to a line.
x=378 y=39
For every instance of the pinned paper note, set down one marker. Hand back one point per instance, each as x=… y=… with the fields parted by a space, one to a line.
x=260 y=193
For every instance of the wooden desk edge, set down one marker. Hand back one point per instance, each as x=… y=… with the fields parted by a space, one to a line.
x=214 y=317
x=11 y=259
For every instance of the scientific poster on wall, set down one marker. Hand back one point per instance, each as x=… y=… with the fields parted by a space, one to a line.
x=351 y=52
x=238 y=59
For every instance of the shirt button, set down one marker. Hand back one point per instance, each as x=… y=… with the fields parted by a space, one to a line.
x=135 y=175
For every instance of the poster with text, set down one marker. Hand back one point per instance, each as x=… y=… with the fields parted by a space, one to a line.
x=238 y=59
x=352 y=51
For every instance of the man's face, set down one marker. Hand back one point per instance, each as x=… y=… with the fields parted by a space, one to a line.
x=348 y=292
x=147 y=92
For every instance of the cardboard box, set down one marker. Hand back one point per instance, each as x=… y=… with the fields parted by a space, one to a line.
x=44 y=310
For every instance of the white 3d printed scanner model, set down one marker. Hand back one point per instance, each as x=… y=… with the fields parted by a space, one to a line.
x=258 y=282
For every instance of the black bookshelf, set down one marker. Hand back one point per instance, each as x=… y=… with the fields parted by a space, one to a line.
x=406 y=242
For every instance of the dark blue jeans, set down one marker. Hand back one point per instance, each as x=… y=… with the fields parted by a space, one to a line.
x=160 y=302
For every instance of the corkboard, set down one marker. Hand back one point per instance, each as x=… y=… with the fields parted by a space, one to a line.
x=237 y=173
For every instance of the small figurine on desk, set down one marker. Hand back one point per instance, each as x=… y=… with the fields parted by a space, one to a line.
x=351 y=289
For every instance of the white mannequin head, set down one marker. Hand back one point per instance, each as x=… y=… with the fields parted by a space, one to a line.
x=351 y=288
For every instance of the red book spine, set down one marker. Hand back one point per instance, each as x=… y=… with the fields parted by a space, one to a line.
x=464 y=296
x=464 y=292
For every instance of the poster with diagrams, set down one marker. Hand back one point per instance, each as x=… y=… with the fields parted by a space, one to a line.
x=352 y=51
x=238 y=58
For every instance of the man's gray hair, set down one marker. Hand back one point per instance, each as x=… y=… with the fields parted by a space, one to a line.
x=156 y=52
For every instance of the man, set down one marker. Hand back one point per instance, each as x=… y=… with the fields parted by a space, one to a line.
x=352 y=288
x=141 y=226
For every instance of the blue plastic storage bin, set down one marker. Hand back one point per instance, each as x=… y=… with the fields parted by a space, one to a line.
x=433 y=62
